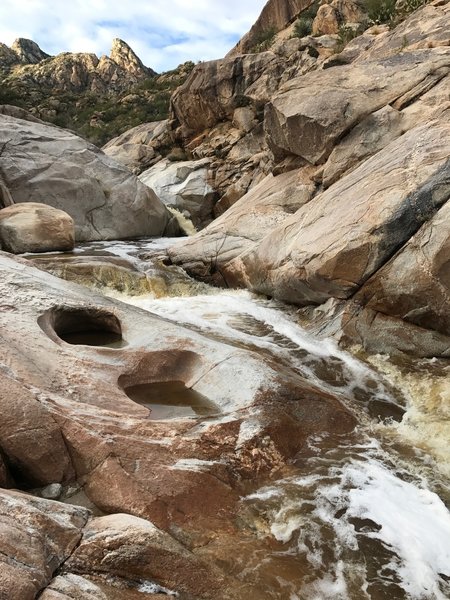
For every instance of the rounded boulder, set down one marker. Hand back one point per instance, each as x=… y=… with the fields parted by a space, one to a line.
x=35 y=227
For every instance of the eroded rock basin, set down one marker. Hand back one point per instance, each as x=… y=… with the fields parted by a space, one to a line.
x=171 y=400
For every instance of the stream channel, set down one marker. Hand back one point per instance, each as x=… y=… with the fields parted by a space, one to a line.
x=356 y=516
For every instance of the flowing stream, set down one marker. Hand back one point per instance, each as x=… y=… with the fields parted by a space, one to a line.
x=355 y=516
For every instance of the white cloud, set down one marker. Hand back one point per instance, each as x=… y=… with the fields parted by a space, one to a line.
x=163 y=33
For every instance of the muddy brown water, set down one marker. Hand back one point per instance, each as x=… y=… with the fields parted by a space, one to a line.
x=171 y=400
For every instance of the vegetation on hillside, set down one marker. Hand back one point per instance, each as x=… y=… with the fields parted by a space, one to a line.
x=99 y=118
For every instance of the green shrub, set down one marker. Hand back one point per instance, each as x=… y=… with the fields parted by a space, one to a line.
x=380 y=11
x=303 y=27
x=263 y=40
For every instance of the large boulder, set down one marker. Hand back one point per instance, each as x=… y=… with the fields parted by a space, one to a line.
x=216 y=88
x=49 y=165
x=242 y=226
x=136 y=147
x=312 y=112
x=125 y=546
x=331 y=246
x=184 y=185
x=34 y=227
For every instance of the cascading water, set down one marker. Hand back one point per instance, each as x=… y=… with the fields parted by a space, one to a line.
x=354 y=516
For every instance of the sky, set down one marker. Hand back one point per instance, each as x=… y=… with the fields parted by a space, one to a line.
x=163 y=33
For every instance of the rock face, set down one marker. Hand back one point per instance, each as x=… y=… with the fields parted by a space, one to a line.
x=414 y=285
x=370 y=132
x=52 y=166
x=276 y=14
x=185 y=186
x=312 y=112
x=331 y=16
x=34 y=227
x=331 y=247
x=138 y=148
x=216 y=88
x=37 y=536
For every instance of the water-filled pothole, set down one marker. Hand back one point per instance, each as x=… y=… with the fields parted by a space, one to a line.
x=171 y=400
x=94 y=338
x=84 y=326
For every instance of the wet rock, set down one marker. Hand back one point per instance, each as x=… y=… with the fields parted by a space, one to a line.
x=34 y=227
x=415 y=284
x=36 y=537
x=30 y=439
x=97 y=273
x=330 y=247
x=129 y=547
x=95 y=587
x=49 y=165
x=310 y=113
x=182 y=474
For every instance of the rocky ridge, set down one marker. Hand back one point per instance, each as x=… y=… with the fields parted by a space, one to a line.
x=98 y=98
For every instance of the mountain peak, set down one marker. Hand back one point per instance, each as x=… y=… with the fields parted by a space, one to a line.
x=125 y=57
x=28 y=51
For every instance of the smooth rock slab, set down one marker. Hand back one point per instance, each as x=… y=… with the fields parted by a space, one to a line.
x=183 y=185
x=34 y=227
x=331 y=246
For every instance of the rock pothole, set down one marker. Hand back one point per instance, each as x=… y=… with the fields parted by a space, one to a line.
x=83 y=326
x=169 y=398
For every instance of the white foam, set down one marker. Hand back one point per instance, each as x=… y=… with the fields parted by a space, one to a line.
x=148 y=587
x=215 y=313
x=410 y=521
x=414 y=522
